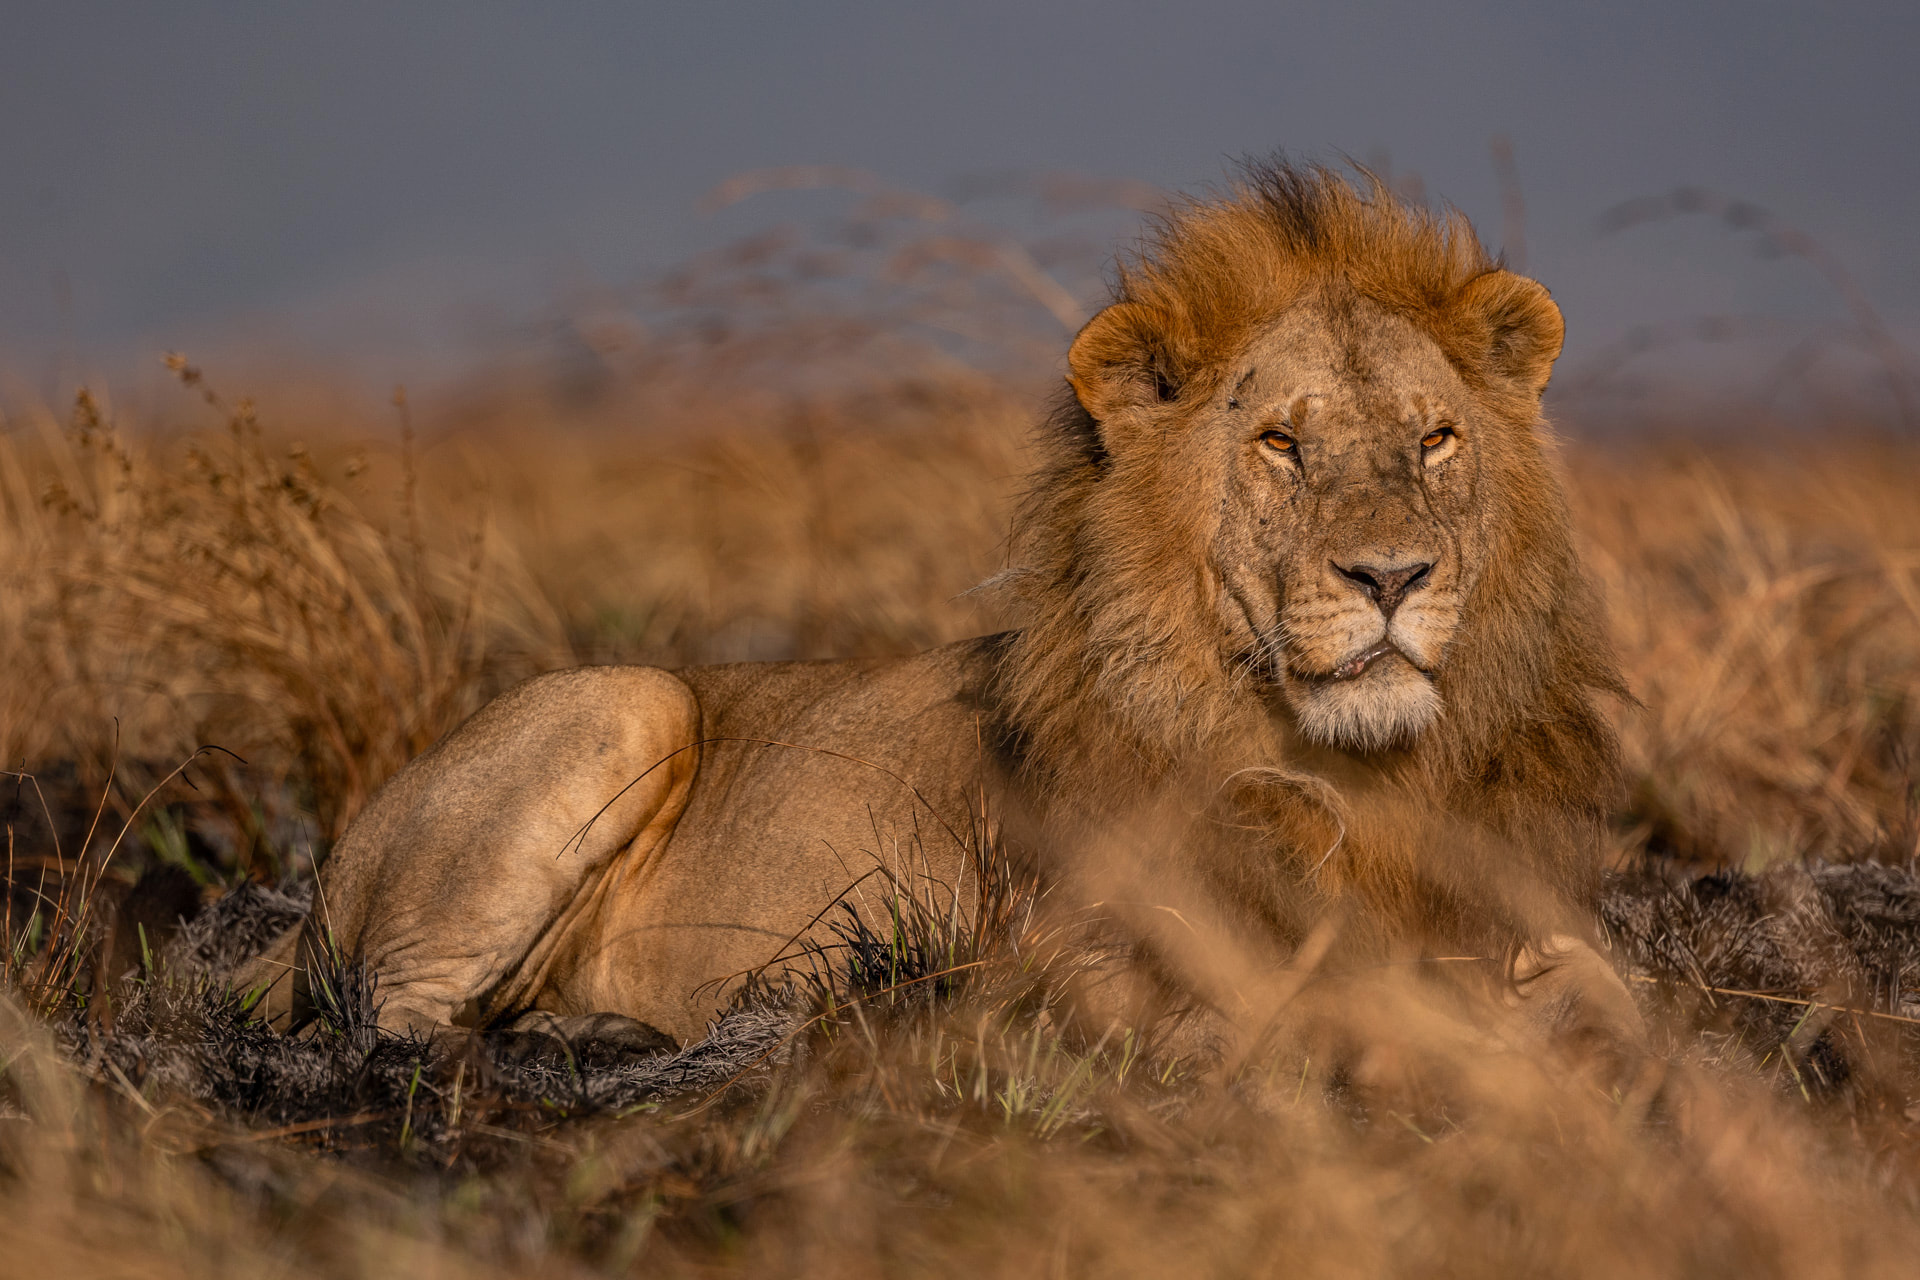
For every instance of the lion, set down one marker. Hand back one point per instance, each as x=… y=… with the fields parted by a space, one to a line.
x=1305 y=650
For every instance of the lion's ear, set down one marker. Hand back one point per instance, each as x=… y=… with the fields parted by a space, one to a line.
x=1120 y=360
x=1517 y=326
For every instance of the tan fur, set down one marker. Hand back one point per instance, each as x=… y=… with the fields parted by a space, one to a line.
x=1201 y=719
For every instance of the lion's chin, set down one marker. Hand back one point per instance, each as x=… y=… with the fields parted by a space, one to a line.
x=1387 y=706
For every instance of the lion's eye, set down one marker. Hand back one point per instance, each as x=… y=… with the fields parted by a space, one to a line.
x=1436 y=437
x=1278 y=441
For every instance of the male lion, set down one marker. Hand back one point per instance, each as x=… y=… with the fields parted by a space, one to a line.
x=1306 y=641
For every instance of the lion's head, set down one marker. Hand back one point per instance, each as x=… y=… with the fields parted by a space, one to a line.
x=1302 y=494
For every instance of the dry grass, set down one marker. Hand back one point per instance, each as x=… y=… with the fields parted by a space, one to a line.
x=1766 y=599
x=327 y=610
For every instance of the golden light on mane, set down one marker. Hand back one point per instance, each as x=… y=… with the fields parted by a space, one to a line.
x=1213 y=268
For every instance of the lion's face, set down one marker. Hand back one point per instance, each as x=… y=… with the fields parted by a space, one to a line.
x=1309 y=469
x=1350 y=527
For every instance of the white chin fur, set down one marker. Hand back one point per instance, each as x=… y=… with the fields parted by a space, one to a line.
x=1385 y=707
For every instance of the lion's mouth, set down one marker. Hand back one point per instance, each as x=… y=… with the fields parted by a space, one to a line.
x=1355 y=667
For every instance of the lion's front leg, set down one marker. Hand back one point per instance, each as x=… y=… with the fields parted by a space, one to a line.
x=458 y=883
x=1571 y=996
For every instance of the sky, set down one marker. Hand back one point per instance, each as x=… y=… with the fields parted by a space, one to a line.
x=370 y=186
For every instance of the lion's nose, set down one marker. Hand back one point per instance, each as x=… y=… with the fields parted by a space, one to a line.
x=1385 y=586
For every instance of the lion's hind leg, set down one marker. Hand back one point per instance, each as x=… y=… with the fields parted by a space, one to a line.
x=453 y=883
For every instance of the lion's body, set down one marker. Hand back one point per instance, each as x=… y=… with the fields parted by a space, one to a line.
x=494 y=849
x=1306 y=639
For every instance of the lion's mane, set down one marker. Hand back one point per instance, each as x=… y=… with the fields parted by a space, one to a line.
x=1118 y=676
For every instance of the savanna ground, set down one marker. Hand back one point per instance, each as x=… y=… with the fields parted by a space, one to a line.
x=320 y=597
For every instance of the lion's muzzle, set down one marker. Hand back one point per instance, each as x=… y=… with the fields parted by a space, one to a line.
x=1364 y=649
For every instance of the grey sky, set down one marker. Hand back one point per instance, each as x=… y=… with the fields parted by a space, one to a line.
x=354 y=176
